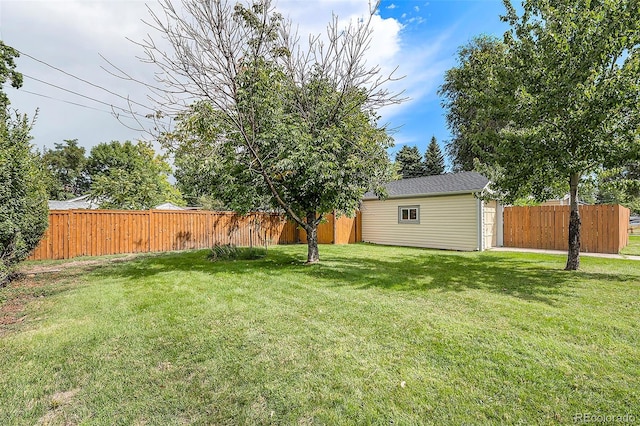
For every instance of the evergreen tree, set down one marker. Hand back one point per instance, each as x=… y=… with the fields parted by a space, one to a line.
x=433 y=159
x=410 y=162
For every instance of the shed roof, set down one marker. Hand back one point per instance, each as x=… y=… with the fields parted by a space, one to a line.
x=82 y=202
x=168 y=206
x=448 y=183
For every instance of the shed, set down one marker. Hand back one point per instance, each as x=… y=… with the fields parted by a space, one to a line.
x=168 y=206
x=442 y=212
x=81 y=202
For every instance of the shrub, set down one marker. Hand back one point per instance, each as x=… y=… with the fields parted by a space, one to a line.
x=23 y=196
x=233 y=252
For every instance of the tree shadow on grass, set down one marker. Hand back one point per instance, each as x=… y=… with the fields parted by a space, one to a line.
x=526 y=279
x=419 y=271
x=446 y=273
x=197 y=261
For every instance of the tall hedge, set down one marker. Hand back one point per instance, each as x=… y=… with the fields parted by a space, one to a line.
x=23 y=197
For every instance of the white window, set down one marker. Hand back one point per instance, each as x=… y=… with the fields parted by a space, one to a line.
x=409 y=214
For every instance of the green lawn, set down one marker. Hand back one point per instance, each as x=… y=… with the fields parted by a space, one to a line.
x=372 y=335
x=634 y=246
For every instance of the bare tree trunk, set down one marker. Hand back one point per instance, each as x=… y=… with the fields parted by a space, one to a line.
x=313 y=255
x=573 y=257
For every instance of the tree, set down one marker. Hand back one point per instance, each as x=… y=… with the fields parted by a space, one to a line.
x=620 y=185
x=467 y=90
x=433 y=159
x=274 y=120
x=566 y=90
x=8 y=72
x=129 y=176
x=66 y=165
x=23 y=200
x=409 y=160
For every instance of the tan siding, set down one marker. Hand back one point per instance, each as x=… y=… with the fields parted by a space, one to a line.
x=490 y=224
x=446 y=222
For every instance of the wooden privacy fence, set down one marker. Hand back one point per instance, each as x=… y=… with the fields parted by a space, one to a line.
x=344 y=230
x=604 y=227
x=74 y=233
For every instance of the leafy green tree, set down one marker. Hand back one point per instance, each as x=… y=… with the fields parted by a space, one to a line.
x=620 y=185
x=291 y=125
x=66 y=165
x=565 y=94
x=129 y=176
x=8 y=73
x=23 y=198
x=467 y=90
x=409 y=161
x=433 y=159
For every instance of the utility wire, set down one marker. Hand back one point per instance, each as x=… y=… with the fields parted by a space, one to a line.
x=126 y=111
x=118 y=117
x=84 y=81
x=65 y=101
x=73 y=92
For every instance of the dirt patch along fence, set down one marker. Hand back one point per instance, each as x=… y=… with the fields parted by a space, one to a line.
x=74 y=233
x=604 y=227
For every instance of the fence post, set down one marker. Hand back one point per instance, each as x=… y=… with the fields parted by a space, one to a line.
x=151 y=230
x=71 y=235
x=335 y=228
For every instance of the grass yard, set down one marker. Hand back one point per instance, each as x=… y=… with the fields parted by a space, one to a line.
x=372 y=335
x=634 y=246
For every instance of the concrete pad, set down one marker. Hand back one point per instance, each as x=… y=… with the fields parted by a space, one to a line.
x=564 y=253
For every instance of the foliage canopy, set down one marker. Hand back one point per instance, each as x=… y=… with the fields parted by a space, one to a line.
x=129 y=176
x=433 y=159
x=23 y=197
x=555 y=101
x=66 y=166
x=275 y=125
x=409 y=161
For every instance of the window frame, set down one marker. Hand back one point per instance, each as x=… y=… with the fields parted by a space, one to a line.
x=409 y=221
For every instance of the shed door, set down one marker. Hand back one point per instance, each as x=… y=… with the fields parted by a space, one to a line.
x=489 y=221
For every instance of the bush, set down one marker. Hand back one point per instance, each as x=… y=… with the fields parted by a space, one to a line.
x=232 y=252
x=23 y=197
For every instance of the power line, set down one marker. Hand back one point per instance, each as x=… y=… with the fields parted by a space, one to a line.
x=65 y=101
x=84 y=81
x=113 y=107
x=118 y=117
x=75 y=93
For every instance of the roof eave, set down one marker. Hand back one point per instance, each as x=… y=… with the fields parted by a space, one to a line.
x=432 y=194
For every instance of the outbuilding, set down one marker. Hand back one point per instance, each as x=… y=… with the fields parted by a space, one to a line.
x=442 y=212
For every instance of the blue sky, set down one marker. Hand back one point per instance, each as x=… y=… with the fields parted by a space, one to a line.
x=442 y=25
x=420 y=37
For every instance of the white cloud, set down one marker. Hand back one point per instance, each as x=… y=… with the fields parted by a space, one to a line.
x=385 y=42
x=423 y=67
x=392 y=6
x=71 y=33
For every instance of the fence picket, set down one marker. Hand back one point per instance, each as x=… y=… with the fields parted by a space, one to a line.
x=73 y=233
x=604 y=227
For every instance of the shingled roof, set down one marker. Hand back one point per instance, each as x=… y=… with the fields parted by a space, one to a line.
x=449 y=183
x=82 y=202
